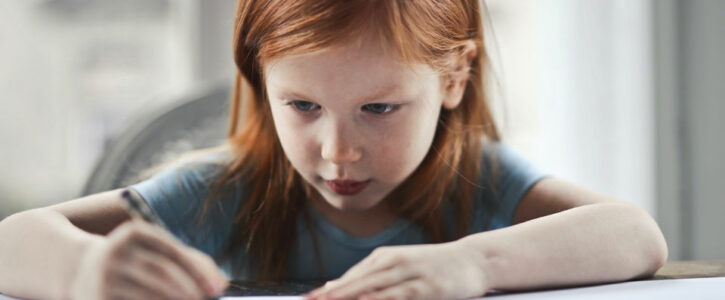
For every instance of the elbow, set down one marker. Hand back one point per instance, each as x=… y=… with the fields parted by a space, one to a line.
x=651 y=243
x=658 y=255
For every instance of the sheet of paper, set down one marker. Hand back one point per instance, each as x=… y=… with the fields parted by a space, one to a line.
x=694 y=288
x=266 y=298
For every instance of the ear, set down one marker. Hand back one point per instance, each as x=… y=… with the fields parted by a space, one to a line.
x=455 y=82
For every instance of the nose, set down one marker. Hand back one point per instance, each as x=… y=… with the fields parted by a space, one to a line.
x=337 y=147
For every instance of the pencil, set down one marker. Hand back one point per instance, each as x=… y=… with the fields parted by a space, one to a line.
x=138 y=208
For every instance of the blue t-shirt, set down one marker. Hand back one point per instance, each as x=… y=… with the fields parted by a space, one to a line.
x=177 y=195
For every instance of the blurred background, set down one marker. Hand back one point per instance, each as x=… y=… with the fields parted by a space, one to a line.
x=623 y=96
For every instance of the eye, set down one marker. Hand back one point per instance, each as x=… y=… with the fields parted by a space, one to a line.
x=379 y=108
x=304 y=105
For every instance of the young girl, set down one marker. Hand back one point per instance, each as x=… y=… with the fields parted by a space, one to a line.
x=367 y=155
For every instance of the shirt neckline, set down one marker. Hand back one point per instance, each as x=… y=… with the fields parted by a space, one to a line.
x=325 y=226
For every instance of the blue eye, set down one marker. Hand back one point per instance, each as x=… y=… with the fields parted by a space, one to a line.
x=379 y=108
x=304 y=105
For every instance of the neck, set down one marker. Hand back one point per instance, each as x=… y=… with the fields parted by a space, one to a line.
x=356 y=223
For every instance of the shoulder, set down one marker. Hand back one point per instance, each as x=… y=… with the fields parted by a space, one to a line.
x=506 y=176
x=180 y=192
x=186 y=180
x=506 y=169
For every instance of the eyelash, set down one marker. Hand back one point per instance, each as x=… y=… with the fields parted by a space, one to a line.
x=295 y=104
x=389 y=108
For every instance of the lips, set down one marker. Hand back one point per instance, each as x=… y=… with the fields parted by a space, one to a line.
x=347 y=187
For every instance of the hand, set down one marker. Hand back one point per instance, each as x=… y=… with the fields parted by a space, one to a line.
x=140 y=261
x=438 y=271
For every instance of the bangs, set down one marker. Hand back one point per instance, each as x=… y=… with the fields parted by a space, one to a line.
x=413 y=31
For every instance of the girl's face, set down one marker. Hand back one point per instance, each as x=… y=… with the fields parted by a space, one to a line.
x=354 y=121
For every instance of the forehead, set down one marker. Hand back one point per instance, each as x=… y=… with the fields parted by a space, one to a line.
x=356 y=68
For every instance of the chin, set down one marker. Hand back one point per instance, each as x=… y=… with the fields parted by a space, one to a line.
x=348 y=204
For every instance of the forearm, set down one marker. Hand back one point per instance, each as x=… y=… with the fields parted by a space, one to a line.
x=39 y=254
x=584 y=245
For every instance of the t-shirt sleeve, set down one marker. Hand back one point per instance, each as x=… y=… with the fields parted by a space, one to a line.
x=177 y=195
x=502 y=186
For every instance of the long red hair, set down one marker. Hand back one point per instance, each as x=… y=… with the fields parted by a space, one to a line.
x=427 y=31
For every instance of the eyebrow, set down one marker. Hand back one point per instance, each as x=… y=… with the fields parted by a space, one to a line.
x=381 y=93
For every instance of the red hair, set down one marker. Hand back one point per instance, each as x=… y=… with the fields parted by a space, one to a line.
x=424 y=31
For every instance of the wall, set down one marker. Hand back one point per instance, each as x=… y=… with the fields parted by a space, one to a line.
x=691 y=85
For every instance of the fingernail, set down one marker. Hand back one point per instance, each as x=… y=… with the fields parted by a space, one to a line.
x=214 y=289
x=223 y=284
x=210 y=289
x=329 y=296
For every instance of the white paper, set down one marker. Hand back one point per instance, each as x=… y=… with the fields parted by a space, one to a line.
x=693 y=288
x=265 y=297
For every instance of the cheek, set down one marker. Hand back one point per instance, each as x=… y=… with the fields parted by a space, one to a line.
x=294 y=139
x=405 y=146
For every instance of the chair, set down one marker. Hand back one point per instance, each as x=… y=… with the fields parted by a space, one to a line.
x=197 y=120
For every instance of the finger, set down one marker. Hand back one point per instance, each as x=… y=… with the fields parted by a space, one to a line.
x=368 y=267
x=131 y=294
x=169 y=272
x=365 y=269
x=220 y=281
x=203 y=270
x=382 y=258
x=144 y=271
x=412 y=289
x=376 y=281
x=124 y=290
x=176 y=274
x=370 y=264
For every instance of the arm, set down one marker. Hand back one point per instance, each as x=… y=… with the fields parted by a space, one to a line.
x=598 y=240
x=42 y=247
x=565 y=235
x=58 y=253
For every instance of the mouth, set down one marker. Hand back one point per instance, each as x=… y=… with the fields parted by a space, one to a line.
x=347 y=187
